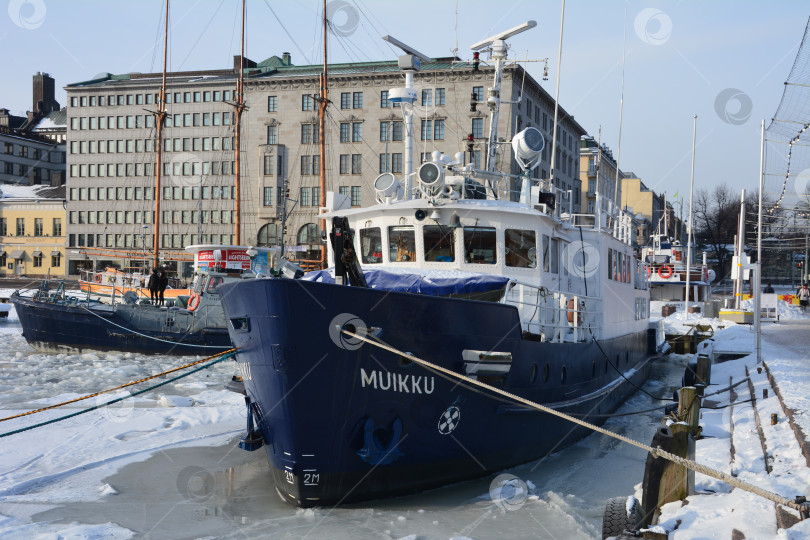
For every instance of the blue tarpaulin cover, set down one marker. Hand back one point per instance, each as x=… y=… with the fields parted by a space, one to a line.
x=423 y=281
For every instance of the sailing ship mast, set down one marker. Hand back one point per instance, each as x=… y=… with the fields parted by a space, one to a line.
x=239 y=107
x=323 y=101
x=160 y=117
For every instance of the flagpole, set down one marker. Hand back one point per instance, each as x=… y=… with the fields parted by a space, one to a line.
x=689 y=232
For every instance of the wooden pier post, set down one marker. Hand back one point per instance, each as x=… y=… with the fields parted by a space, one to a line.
x=664 y=481
x=703 y=372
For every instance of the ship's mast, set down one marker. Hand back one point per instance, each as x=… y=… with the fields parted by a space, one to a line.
x=239 y=107
x=323 y=101
x=160 y=117
x=498 y=47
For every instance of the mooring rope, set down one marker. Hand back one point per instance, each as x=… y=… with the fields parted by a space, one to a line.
x=656 y=452
x=152 y=337
x=216 y=359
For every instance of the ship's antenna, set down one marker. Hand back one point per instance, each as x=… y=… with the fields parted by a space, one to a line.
x=409 y=63
x=498 y=48
x=621 y=113
x=557 y=100
x=455 y=47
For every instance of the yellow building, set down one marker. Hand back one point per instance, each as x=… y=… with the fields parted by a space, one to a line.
x=32 y=239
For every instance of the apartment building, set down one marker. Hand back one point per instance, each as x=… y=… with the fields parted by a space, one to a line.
x=111 y=152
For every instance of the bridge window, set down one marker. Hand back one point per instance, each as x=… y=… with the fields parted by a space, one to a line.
x=371 y=245
x=521 y=250
x=438 y=243
x=401 y=243
x=479 y=245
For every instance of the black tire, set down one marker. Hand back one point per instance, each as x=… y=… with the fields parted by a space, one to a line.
x=616 y=519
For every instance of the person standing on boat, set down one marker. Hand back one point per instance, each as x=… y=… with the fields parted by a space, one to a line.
x=768 y=289
x=154 y=286
x=163 y=282
x=804 y=296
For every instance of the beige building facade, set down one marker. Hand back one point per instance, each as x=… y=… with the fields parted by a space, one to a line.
x=32 y=240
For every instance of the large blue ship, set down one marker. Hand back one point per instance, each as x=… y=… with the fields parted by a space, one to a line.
x=497 y=286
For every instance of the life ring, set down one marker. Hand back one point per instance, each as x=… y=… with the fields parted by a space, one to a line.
x=193 y=301
x=572 y=309
x=98 y=278
x=668 y=270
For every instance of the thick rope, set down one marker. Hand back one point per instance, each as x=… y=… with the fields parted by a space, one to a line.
x=152 y=337
x=108 y=390
x=656 y=452
x=226 y=355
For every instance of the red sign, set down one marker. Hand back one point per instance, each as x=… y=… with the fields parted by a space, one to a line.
x=230 y=259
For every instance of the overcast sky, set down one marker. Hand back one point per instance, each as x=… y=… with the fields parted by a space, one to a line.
x=724 y=60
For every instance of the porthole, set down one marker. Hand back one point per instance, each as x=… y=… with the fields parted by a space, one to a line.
x=563 y=375
x=545 y=373
x=533 y=375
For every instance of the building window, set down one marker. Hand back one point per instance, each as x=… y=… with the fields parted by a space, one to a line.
x=345 y=100
x=304 y=196
x=38 y=228
x=272 y=103
x=478 y=128
x=439 y=96
x=306 y=102
x=385 y=163
x=438 y=130
x=272 y=135
x=357 y=100
x=384 y=103
x=3 y=227
x=267 y=168
x=357 y=132
x=427 y=130
x=478 y=93
x=308 y=234
x=355 y=195
x=427 y=97
x=396 y=163
x=357 y=163
x=306 y=166
x=268 y=235
x=268 y=196
x=344 y=163
x=38 y=259
x=20 y=226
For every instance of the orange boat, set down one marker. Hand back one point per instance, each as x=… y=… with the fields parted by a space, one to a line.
x=118 y=282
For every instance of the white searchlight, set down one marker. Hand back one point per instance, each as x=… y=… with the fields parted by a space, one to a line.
x=431 y=176
x=528 y=148
x=387 y=186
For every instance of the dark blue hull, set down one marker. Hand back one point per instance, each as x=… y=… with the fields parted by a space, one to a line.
x=345 y=423
x=55 y=327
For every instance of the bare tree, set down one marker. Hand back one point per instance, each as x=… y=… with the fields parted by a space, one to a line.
x=715 y=223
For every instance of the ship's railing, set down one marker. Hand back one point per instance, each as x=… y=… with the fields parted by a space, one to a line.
x=676 y=271
x=554 y=316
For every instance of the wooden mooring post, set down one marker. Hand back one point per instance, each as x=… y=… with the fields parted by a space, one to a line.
x=664 y=481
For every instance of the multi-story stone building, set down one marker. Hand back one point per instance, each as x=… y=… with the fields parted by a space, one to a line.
x=111 y=159
x=32 y=241
x=594 y=164
x=365 y=134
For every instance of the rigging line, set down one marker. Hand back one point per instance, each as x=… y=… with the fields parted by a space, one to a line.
x=283 y=27
x=654 y=452
x=152 y=337
x=202 y=33
x=379 y=33
x=133 y=394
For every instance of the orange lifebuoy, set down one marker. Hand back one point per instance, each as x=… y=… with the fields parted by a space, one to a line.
x=193 y=301
x=572 y=310
x=668 y=270
x=98 y=278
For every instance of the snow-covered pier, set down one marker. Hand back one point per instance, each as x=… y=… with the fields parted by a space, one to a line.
x=759 y=433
